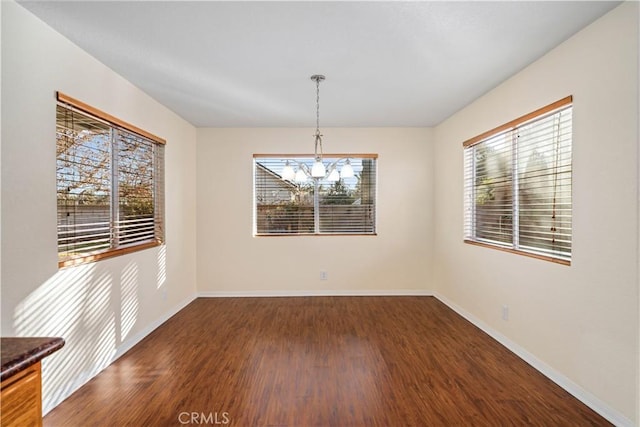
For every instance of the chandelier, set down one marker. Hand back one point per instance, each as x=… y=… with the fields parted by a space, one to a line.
x=318 y=171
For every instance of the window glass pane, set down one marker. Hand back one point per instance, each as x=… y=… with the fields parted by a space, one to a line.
x=83 y=183
x=135 y=189
x=348 y=204
x=544 y=164
x=282 y=206
x=493 y=190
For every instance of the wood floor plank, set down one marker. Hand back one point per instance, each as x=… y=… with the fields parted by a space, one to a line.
x=320 y=361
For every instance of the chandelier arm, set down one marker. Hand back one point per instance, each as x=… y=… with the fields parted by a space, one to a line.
x=304 y=168
x=334 y=164
x=330 y=168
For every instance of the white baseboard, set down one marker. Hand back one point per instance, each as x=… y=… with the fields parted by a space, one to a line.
x=315 y=293
x=578 y=392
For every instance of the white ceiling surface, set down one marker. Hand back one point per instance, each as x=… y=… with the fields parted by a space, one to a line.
x=248 y=64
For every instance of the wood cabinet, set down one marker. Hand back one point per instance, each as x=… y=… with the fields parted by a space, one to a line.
x=21 y=378
x=21 y=398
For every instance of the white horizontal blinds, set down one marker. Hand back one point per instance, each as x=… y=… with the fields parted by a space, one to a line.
x=544 y=184
x=282 y=206
x=110 y=184
x=348 y=206
x=469 y=194
x=517 y=184
x=491 y=189
x=83 y=183
x=135 y=217
x=158 y=183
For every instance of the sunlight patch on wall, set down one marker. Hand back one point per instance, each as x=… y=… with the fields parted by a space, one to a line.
x=129 y=299
x=76 y=304
x=162 y=265
x=55 y=305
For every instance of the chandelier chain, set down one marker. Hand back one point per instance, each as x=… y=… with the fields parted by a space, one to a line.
x=318 y=136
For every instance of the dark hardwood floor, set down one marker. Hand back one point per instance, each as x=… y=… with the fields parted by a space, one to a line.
x=320 y=361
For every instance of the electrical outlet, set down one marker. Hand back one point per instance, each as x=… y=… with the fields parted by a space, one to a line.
x=323 y=275
x=505 y=312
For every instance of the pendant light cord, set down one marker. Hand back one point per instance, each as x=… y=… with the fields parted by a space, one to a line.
x=317 y=106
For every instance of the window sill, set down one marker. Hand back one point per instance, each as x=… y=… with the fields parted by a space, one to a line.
x=518 y=252
x=313 y=234
x=107 y=254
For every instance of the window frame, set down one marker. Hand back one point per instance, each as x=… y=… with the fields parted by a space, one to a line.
x=351 y=156
x=71 y=103
x=509 y=127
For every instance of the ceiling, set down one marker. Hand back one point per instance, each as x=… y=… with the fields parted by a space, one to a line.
x=248 y=64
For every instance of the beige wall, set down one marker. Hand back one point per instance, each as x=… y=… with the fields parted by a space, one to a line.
x=101 y=309
x=581 y=321
x=232 y=261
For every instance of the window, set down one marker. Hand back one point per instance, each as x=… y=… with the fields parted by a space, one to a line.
x=307 y=206
x=110 y=185
x=518 y=185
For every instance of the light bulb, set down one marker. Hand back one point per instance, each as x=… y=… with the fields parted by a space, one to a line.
x=287 y=172
x=318 y=170
x=347 y=170
x=334 y=176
